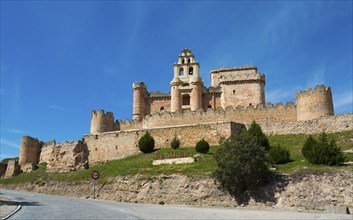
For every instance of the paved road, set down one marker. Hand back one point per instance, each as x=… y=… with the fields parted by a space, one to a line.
x=41 y=206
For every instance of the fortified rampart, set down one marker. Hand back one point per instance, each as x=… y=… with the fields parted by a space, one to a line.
x=119 y=144
x=29 y=150
x=240 y=114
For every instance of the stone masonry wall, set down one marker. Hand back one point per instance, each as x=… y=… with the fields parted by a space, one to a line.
x=13 y=169
x=119 y=144
x=270 y=114
x=29 y=150
x=329 y=124
x=64 y=157
x=243 y=93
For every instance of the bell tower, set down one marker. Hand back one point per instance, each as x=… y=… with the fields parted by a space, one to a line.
x=187 y=85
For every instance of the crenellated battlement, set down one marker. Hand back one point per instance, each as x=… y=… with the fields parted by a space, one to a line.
x=318 y=90
x=138 y=85
x=102 y=122
x=241 y=114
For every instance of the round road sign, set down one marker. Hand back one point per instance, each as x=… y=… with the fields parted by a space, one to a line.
x=95 y=175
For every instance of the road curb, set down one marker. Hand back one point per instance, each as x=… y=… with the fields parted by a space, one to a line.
x=19 y=206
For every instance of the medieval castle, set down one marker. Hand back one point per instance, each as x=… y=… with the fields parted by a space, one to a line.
x=190 y=111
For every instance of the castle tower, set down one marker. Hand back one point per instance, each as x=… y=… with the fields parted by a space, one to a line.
x=314 y=104
x=30 y=150
x=139 y=106
x=102 y=122
x=186 y=86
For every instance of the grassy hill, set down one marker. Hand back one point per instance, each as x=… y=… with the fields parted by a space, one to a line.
x=142 y=163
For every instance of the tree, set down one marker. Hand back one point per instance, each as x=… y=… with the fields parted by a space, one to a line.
x=146 y=143
x=324 y=151
x=256 y=131
x=242 y=164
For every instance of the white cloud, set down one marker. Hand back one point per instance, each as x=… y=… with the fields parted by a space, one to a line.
x=9 y=143
x=343 y=101
x=16 y=131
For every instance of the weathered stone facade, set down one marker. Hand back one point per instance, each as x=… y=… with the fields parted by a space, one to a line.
x=29 y=150
x=3 y=167
x=312 y=104
x=119 y=144
x=64 y=157
x=12 y=169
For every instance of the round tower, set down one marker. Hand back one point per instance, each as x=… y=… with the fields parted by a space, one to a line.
x=196 y=96
x=101 y=122
x=176 y=100
x=30 y=150
x=312 y=104
x=139 y=106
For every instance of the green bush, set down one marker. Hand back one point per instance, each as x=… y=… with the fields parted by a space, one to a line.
x=256 y=131
x=242 y=164
x=202 y=146
x=279 y=154
x=323 y=151
x=146 y=143
x=175 y=144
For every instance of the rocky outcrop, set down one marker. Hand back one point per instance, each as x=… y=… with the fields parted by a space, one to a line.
x=305 y=191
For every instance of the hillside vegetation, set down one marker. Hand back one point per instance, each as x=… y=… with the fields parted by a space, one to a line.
x=142 y=163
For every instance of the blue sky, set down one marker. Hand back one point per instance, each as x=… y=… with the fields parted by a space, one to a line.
x=61 y=60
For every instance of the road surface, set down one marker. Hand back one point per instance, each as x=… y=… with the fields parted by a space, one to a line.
x=41 y=206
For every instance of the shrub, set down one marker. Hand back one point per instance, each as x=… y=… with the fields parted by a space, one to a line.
x=308 y=146
x=175 y=144
x=279 y=154
x=242 y=164
x=256 y=131
x=324 y=151
x=202 y=146
x=146 y=143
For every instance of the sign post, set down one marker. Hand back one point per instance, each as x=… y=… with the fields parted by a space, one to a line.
x=95 y=177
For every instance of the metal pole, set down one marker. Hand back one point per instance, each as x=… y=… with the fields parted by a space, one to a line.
x=94 y=189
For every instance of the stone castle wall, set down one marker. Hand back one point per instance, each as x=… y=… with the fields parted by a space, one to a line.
x=64 y=157
x=29 y=150
x=328 y=124
x=119 y=144
x=315 y=103
x=262 y=115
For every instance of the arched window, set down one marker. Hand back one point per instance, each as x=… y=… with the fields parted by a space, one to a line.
x=189 y=60
x=186 y=99
x=181 y=71
x=183 y=61
x=191 y=71
x=162 y=108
